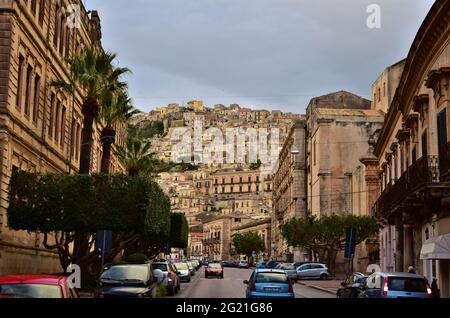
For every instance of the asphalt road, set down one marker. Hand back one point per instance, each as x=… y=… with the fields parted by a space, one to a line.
x=231 y=286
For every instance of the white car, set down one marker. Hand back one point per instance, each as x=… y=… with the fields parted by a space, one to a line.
x=243 y=264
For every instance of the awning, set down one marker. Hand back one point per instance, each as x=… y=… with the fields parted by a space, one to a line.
x=436 y=248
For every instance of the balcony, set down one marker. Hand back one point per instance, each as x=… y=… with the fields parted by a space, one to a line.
x=420 y=176
x=211 y=241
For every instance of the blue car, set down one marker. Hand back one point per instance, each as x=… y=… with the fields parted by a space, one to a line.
x=396 y=285
x=269 y=283
x=261 y=265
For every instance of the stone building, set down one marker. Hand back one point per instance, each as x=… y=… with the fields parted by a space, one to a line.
x=289 y=190
x=261 y=227
x=217 y=235
x=383 y=91
x=40 y=127
x=412 y=155
x=339 y=126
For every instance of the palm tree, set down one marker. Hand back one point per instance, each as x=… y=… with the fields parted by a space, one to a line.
x=116 y=109
x=94 y=72
x=137 y=156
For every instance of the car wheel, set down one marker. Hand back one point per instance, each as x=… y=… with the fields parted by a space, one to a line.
x=206 y=276
x=324 y=277
x=221 y=276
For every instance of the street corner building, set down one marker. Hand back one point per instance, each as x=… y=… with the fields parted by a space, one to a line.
x=40 y=126
x=410 y=167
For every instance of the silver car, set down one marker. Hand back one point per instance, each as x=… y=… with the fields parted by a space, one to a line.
x=290 y=270
x=313 y=271
x=183 y=272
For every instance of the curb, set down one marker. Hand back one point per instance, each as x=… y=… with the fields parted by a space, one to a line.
x=318 y=288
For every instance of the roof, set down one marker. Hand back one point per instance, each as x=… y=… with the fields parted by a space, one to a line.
x=340 y=100
x=350 y=112
x=32 y=279
x=401 y=275
x=266 y=270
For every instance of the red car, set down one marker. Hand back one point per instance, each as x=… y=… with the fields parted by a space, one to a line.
x=214 y=269
x=36 y=286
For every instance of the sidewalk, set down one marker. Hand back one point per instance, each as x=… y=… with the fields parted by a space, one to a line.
x=329 y=286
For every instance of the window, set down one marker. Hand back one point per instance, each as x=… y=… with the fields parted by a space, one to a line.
x=424 y=144
x=42 y=11
x=51 y=115
x=73 y=138
x=56 y=30
x=249 y=179
x=232 y=180
x=442 y=133
x=28 y=90
x=37 y=97
x=57 y=121
x=414 y=154
x=19 y=82
x=33 y=6
x=63 y=127
x=379 y=94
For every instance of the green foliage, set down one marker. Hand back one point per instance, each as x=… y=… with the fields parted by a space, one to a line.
x=137 y=258
x=161 y=291
x=146 y=130
x=179 y=230
x=248 y=243
x=256 y=166
x=86 y=204
x=326 y=236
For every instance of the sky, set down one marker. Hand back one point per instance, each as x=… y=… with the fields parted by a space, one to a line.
x=271 y=54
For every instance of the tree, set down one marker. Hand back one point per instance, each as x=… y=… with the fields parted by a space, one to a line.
x=116 y=110
x=179 y=231
x=64 y=207
x=137 y=156
x=93 y=73
x=325 y=237
x=247 y=243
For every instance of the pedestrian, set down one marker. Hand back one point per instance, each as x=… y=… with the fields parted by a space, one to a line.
x=435 y=289
x=411 y=270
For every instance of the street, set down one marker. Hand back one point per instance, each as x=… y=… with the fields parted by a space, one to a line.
x=232 y=286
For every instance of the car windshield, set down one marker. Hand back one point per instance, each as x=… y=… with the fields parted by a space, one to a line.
x=160 y=266
x=181 y=266
x=272 y=278
x=215 y=266
x=125 y=273
x=417 y=285
x=31 y=290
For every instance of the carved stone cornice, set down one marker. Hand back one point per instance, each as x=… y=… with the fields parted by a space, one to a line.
x=394 y=147
x=403 y=134
x=421 y=104
x=438 y=81
x=412 y=121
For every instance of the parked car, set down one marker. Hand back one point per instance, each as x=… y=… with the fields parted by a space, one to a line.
x=36 y=286
x=229 y=264
x=197 y=264
x=396 y=285
x=298 y=264
x=313 y=271
x=214 y=269
x=269 y=283
x=261 y=265
x=128 y=281
x=191 y=267
x=243 y=264
x=183 y=272
x=172 y=283
x=271 y=264
x=353 y=286
x=290 y=270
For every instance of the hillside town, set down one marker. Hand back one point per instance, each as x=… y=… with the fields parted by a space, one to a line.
x=230 y=170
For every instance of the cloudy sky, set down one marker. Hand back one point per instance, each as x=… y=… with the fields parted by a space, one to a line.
x=274 y=54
